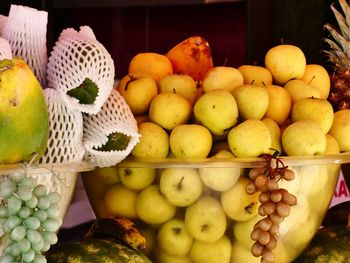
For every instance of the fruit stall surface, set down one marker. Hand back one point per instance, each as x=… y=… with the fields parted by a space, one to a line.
x=174 y=131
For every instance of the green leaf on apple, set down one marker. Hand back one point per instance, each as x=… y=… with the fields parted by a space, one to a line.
x=86 y=92
x=116 y=142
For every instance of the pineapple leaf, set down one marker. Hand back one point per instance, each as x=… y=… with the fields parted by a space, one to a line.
x=346 y=10
x=338 y=38
x=344 y=27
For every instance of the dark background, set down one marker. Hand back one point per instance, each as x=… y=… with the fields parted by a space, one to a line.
x=239 y=31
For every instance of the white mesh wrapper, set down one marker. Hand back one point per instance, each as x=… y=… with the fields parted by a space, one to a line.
x=3 y=20
x=114 y=116
x=25 y=30
x=75 y=57
x=5 y=49
x=65 y=142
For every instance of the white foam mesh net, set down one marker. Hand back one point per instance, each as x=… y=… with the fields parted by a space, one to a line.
x=114 y=116
x=3 y=20
x=5 y=49
x=65 y=143
x=75 y=57
x=25 y=30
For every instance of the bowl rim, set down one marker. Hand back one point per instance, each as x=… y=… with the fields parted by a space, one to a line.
x=130 y=161
x=73 y=167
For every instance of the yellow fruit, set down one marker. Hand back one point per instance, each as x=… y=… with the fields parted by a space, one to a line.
x=318 y=77
x=180 y=84
x=280 y=104
x=285 y=62
x=255 y=75
x=154 y=142
x=191 y=57
x=138 y=89
x=190 y=141
x=169 y=110
x=154 y=64
x=120 y=201
x=221 y=77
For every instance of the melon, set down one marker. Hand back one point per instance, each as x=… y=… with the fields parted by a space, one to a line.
x=93 y=250
x=330 y=244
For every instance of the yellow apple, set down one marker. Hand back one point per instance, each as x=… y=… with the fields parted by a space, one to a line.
x=169 y=110
x=205 y=220
x=285 y=62
x=304 y=137
x=217 y=110
x=163 y=257
x=120 y=201
x=220 y=178
x=250 y=138
x=317 y=76
x=181 y=84
x=211 y=252
x=243 y=229
x=152 y=207
x=245 y=205
x=190 y=141
x=173 y=238
x=340 y=129
x=319 y=110
x=275 y=132
x=252 y=101
x=299 y=89
x=180 y=186
x=241 y=254
x=255 y=75
x=222 y=77
x=136 y=178
x=332 y=146
x=154 y=141
x=138 y=90
x=280 y=104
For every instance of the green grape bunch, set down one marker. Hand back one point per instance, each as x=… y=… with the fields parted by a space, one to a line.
x=29 y=218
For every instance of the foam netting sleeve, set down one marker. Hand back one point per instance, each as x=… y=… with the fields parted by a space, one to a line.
x=114 y=116
x=65 y=143
x=77 y=56
x=5 y=49
x=25 y=30
x=3 y=20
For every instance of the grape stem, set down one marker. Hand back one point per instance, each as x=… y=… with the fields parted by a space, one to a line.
x=274 y=171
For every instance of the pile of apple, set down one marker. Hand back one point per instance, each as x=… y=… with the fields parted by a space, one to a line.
x=188 y=108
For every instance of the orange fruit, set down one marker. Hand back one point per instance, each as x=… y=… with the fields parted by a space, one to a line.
x=192 y=57
x=154 y=64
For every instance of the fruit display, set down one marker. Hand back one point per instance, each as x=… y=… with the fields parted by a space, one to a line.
x=108 y=240
x=238 y=165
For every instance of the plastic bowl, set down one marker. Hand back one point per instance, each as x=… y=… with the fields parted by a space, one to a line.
x=121 y=191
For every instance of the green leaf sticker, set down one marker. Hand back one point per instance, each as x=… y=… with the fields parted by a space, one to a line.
x=116 y=142
x=86 y=92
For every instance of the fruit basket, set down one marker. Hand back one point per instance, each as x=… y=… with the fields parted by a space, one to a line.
x=197 y=210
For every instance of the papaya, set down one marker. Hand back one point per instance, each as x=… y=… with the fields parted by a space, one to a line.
x=191 y=57
x=24 y=124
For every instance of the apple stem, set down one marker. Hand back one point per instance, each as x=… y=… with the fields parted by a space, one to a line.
x=313 y=77
x=132 y=78
x=180 y=183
